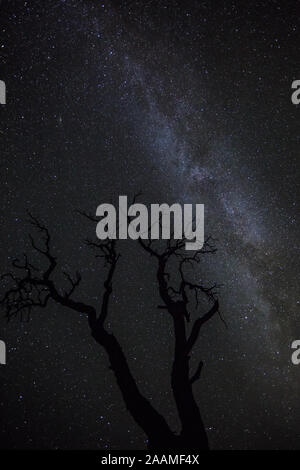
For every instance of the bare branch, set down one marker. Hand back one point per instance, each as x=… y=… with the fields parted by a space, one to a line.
x=106 y=249
x=74 y=283
x=46 y=242
x=197 y=374
x=90 y=217
x=147 y=245
x=33 y=288
x=198 y=324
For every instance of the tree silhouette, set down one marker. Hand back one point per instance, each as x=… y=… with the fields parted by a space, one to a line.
x=32 y=287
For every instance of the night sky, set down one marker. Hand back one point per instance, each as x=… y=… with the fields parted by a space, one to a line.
x=189 y=102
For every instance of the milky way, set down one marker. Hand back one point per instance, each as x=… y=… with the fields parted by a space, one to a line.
x=187 y=102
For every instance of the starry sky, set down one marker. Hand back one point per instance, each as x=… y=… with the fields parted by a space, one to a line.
x=189 y=102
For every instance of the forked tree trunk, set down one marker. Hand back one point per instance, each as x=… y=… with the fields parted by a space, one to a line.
x=160 y=437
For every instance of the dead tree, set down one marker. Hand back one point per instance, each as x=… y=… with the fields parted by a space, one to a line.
x=175 y=302
x=32 y=287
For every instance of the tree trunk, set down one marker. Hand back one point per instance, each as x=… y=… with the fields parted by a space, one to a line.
x=193 y=434
x=153 y=424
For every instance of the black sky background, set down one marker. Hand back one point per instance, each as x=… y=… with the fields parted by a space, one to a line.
x=188 y=102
